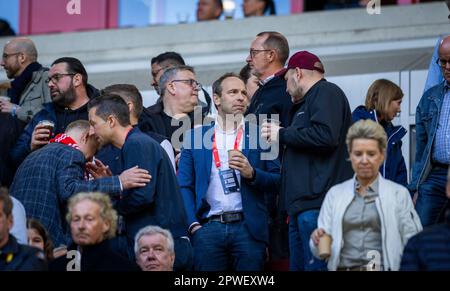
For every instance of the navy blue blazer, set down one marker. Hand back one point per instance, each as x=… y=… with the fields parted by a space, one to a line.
x=194 y=175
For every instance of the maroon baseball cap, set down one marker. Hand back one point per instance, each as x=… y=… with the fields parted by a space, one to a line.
x=303 y=60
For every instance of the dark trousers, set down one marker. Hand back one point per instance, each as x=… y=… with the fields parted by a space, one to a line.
x=227 y=246
x=300 y=228
x=432 y=199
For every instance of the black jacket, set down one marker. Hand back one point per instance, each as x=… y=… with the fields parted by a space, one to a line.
x=17 y=257
x=315 y=153
x=98 y=257
x=272 y=98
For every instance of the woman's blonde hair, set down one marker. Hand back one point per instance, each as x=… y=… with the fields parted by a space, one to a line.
x=107 y=211
x=380 y=95
x=367 y=129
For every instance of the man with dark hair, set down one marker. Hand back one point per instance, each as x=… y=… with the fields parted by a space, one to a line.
x=159 y=202
x=50 y=176
x=70 y=92
x=223 y=196
x=209 y=10
x=131 y=95
x=164 y=61
x=269 y=52
x=14 y=256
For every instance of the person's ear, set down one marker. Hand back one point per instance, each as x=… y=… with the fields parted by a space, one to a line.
x=130 y=106
x=22 y=58
x=170 y=87
x=85 y=137
x=272 y=55
x=10 y=222
x=77 y=80
x=106 y=226
x=111 y=121
x=217 y=100
x=298 y=73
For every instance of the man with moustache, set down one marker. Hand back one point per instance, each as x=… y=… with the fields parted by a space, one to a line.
x=70 y=92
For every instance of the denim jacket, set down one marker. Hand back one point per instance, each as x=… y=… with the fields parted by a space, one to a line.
x=427 y=119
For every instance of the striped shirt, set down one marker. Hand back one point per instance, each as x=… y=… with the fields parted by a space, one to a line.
x=441 y=148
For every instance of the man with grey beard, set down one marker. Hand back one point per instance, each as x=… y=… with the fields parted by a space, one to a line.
x=70 y=93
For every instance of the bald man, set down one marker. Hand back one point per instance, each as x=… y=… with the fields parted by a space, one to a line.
x=29 y=89
x=433 y=145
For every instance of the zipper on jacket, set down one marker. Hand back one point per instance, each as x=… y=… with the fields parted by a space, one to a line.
x=385 y=158
x=384 y=239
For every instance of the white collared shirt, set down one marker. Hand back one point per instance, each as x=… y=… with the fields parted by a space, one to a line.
x=266 y=80
x=215 y=196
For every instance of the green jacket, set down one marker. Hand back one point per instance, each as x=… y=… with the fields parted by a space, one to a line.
x=34 y=96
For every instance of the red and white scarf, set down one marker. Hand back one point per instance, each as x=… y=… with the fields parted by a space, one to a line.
x=65 y=139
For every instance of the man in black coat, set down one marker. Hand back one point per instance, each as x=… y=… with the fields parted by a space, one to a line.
x=93 y=222
x=269 y=52
x=14 y=256
x=315 y=156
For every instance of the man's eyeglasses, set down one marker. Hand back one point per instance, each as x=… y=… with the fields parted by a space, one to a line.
x=443 y=63
x=56 y=77
x=5 y=56
x=254 y=52
x=193 y=83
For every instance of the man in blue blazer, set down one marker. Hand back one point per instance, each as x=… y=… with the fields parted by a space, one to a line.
x=224 y=197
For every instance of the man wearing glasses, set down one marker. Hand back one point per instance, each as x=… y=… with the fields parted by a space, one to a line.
x=28 y=89
x=27 y=92
x=269 y=52
x=179 y=92
x=433 y=145
x=70 y=93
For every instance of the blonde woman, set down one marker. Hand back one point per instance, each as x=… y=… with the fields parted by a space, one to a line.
x=369 y=218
